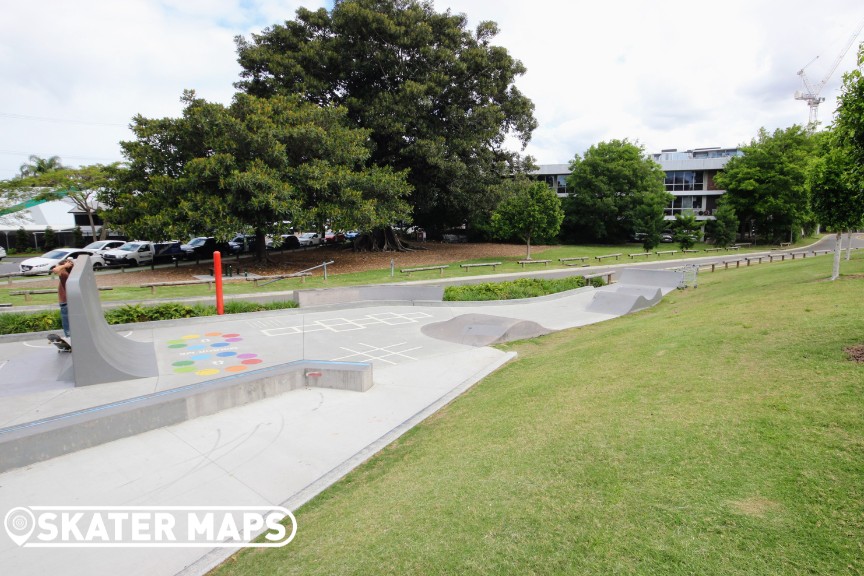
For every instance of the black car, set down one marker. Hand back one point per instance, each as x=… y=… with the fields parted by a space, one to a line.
x=203 y=247
x=168 y=251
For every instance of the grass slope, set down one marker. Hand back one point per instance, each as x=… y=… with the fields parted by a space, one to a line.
x=720 y=432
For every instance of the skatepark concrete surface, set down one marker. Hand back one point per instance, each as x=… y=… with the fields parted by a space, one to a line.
x=268 y=450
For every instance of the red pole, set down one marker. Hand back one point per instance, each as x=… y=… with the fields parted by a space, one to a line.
x=217 y=275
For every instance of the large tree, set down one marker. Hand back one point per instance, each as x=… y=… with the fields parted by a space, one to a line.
x=438 y=99
x=614 y=189
x=767 y=185
x=837 y=201
x=836 y=177
x=529 y=210
x=258 y=164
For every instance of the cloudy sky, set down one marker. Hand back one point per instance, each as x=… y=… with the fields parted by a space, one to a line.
x=666 y=73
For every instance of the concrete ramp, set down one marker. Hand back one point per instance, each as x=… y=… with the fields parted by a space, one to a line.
x=635 y=290
x=483 y=330
x=666 y=280
x=623 y=301
x=99 y=354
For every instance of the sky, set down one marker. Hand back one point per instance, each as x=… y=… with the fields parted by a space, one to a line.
x=662 y=73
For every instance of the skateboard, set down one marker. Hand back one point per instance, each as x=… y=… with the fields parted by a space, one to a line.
x=61 y=344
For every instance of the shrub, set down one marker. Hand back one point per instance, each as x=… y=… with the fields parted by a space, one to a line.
x=522 y=288
x=20 y=323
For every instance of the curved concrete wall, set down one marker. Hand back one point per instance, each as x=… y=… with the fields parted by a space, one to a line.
x=99 y=354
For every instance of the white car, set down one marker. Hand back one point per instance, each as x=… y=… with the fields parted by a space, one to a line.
x=2 y=253
x=43 y=264
x=130 y=254
x=309 y=239
x=102 y=246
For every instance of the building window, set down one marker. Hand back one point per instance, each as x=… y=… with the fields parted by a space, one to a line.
x=684 y=180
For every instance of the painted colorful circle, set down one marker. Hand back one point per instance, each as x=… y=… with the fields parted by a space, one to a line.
x=210 y=353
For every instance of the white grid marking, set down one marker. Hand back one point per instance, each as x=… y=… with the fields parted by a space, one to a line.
x=372 y=352
x=339 y=324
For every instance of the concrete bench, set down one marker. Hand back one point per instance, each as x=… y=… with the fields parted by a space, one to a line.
x=736 y=262
x=713 y=249
x=689 y=251
x=661 y=252
x=479 y=264
x=757 y=258
x=440 y=269
x=802 y=254
x=616 y=256
x=785 y=244
x=637 y=254
x=544 y=262
x=606 y=275
x=817 y=252
x=28 y=293
x=154 y=285
x=581 y=260
x=735 y=247
x=739 y=244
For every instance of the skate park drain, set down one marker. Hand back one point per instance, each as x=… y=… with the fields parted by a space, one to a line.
x=211 y=353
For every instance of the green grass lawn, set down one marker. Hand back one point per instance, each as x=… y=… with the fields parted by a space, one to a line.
x=721 y=432
x=379 y=276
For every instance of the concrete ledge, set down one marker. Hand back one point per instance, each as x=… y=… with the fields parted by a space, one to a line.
x=26 y=444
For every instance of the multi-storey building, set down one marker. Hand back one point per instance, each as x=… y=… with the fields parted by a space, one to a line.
x=689 y=178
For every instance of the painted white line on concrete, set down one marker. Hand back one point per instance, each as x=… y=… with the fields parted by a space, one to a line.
x=370 y=353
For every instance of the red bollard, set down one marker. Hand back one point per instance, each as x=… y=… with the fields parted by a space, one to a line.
x=217 y=275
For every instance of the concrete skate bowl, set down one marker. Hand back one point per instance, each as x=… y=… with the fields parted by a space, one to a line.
x=483 y=330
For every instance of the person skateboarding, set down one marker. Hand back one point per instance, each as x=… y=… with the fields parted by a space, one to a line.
x=62 y=270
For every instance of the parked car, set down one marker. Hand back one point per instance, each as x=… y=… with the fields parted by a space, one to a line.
x=204 y=246
x=247 y=243
x=351 y=234
x=331 y=237
x=43 y=264
x=667 y=237
x=168 y=251
x=287 y=242
x=102 y=246
x=130 y=254
x=309 y=239
x=2 y=253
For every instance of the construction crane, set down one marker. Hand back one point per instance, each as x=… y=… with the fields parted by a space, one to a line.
x=811 y=96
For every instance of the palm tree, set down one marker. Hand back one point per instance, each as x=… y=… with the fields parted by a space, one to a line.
x=37 y=165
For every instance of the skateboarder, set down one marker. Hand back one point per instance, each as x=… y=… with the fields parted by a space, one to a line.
x=62 y=270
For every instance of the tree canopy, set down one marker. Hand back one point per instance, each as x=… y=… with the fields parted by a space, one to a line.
x=83 y=186
x=767 y=185
x=614 y=187
x=438 y=99
x=529 y=210
x=254 y=165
